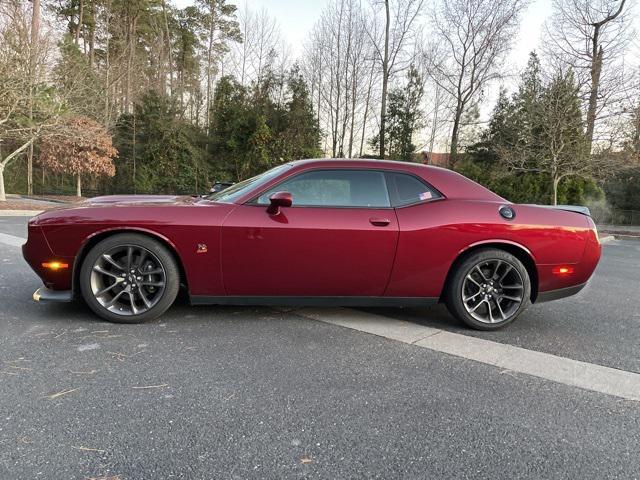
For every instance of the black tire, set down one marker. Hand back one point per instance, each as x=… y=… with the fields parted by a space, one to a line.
x=493 y=300
x=162 y=269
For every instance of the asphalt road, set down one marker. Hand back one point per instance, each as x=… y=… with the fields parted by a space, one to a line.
x=212 y=392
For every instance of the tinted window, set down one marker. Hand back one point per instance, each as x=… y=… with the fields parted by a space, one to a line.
x=407 y=189
x=334 y=188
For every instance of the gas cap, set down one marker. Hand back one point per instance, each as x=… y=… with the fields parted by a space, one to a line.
x=507 y=212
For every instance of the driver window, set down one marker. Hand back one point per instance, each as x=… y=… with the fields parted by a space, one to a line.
x=334 y=188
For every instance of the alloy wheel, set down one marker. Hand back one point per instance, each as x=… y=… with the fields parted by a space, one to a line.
x=492 y=291
x=128 y=280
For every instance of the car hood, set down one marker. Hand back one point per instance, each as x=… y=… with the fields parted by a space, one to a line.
x=137 y=207
x=138 y=200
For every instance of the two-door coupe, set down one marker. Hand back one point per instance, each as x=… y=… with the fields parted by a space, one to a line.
x=317 y=232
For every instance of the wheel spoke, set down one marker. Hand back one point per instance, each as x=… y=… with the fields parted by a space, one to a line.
x=134 y=309
x=514 y=299
x=143 y=257
x=129 y=256
x=490 y=314
x=144 y=298
x=477 y=305
x=110 y=260
x=152 y=284
x=507 y=270
x=105 y=290
x=469 y=277
x=481 y=273
x=113 y=301
x=504 y=317
x=466 y=299
x=512 y=287
x=157 y=271
x=99 y=269
x=495 y=270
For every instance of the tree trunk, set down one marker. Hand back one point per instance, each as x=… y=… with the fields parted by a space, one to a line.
x=170 y=56
x=30 y=170
x=107 y=87
x=78 y=186
x=79 y=26
x=35 y=33
x=556 y=181
x=3 y=197
x=366 y=109
x=434 y=124
x=212 y=28
x=385 y=81
x=455 y=132
x=596 y=69
x=92 y=36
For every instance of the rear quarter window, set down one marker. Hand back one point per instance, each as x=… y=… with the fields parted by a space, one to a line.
x=405 y=189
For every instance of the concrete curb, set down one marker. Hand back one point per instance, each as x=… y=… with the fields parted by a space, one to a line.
x=509 y=358
x=607 y=238
x=19 y=213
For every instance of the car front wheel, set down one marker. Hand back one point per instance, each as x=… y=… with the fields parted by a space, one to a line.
x=489 y=289
x=129 y=278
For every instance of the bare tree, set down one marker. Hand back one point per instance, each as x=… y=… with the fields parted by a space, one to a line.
x=26 y=106
x=391 y=43
x=592 y=36
x=333 y=67
x=262 y=43
x=471 y=38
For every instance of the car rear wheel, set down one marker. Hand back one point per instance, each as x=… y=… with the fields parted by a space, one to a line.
x=488 y=289
x=129 y=278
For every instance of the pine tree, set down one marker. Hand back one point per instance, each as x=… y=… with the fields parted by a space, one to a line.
x=404 y=116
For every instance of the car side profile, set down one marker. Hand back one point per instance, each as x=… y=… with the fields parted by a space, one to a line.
x=317 y=232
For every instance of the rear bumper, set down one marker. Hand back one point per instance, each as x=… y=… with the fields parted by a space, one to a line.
x=559 y=293
x=44 y=294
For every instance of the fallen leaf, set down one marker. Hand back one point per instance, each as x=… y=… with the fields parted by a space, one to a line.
x=63 y=392
x=87 y=449
x=162 y=385
x=305 y=460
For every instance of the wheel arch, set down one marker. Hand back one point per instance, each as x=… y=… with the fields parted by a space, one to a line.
x=519 y=251
x=96 y=237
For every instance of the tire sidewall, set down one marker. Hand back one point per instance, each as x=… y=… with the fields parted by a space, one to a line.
x=454 y=292
x=172 y=275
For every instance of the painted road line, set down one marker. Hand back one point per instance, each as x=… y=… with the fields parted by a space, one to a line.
x=588 y=376
x=11 y=240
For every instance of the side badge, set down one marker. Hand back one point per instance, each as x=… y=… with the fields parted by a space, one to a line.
x=202 y=248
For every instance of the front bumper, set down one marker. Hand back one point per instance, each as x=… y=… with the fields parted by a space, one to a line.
x=44 y=294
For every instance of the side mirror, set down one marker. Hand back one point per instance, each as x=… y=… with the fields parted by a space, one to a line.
x=277 y=200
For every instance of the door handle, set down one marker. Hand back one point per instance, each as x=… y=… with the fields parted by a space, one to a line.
x=379 y=222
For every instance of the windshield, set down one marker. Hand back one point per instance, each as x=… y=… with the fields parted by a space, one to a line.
x=236 y=191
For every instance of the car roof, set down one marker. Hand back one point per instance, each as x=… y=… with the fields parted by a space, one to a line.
x=450 y=183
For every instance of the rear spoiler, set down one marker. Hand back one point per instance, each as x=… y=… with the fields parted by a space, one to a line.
x=569 y=208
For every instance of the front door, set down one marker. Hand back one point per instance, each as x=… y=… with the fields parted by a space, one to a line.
x=338 y=238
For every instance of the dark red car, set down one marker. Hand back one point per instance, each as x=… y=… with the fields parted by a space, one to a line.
x=317 y=232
